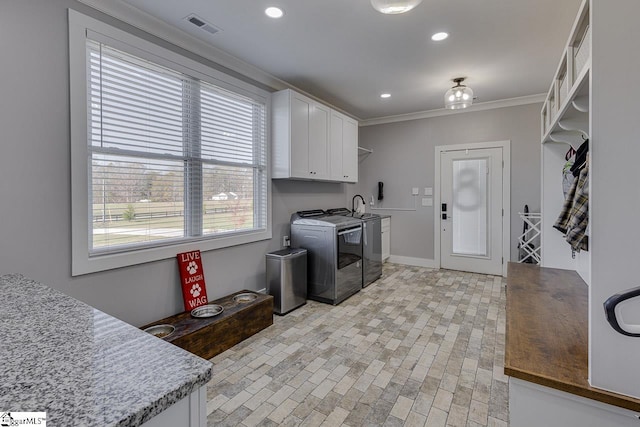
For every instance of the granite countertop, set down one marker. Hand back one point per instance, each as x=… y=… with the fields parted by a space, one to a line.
x=82 y=366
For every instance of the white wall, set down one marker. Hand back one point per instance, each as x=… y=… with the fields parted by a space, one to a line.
x=403 y=157
x=614 y=200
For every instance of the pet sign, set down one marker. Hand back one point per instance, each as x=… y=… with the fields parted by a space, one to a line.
x=194 y=291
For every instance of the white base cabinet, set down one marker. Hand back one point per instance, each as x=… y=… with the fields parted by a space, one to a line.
x=386 y=239
x=311 y=141
x=533 y=405
x=188 y=412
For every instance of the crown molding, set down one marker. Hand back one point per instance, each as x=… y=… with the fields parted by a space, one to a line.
x=490 y=105
x=156 y=27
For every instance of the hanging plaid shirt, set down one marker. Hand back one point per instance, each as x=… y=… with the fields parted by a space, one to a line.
x=562 y=223
x=574 y=216
x=579 y=218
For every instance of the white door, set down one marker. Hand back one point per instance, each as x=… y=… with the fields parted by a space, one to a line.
x=471 y=210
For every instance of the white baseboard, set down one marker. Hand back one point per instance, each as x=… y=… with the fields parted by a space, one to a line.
x=417 y=262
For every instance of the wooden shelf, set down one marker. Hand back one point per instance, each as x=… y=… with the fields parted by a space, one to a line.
x=547 y=332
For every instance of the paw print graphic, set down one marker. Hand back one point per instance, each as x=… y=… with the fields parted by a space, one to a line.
x=195 y=290
x=192 y=267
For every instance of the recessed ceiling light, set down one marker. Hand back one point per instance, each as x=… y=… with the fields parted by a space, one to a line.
x=439 y=37
x=385 y=95
x=274 y=12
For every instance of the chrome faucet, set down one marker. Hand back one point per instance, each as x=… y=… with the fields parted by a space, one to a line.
x=353 y=203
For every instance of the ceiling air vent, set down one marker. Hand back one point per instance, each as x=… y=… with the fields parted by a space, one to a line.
x=202 y=24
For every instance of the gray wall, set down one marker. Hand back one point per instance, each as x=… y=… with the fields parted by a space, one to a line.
x=403 y=157
x=35 y=187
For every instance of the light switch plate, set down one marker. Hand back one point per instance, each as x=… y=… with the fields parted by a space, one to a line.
x=428 y=191
x=427 y=201
x=415 y=191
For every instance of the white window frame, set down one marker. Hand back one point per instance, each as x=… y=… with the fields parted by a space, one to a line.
x=82 y=263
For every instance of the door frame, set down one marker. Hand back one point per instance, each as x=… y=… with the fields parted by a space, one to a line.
x=506 y=195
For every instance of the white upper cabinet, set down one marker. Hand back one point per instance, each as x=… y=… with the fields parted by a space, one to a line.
x=312 y=141
x=343 y=148
x=318 y=141
x=300 y=137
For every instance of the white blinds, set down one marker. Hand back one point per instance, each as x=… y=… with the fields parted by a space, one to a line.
x=172 y=157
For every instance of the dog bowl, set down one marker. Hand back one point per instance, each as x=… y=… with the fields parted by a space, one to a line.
x=244 y=298
x=160 y=331
x=207 y=310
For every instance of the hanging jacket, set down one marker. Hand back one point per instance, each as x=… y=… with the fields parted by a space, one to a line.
x=567 y=178
x=579 y=217
x=580 y=158
x=562 y=223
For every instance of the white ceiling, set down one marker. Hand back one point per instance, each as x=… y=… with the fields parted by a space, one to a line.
x=346 y=53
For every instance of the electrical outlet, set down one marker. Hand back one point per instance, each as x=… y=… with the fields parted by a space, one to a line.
x=285 y=241
x=415 y=191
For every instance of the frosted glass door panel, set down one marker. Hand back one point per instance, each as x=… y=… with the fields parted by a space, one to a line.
x=470 y=207
x=471 y=222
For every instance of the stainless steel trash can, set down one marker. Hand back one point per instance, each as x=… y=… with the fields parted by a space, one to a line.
x=287 y=279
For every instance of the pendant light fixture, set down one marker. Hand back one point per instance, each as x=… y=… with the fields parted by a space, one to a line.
x=459 y=96
x=392 y=7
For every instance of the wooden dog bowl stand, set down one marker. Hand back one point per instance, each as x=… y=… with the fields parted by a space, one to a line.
x=209 y=336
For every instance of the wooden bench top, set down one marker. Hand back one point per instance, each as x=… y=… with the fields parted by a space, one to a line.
x=547 y=332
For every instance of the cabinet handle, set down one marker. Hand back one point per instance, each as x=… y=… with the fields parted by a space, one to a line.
x=612 y=313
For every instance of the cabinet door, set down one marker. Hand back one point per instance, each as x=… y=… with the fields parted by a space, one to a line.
x=386 y=238
x=335 y=146
x=350 y=151
x=300 y=110
x=343 y=148
x=318 y=158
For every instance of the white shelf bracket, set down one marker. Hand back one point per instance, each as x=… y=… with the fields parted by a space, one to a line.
x=580 y=124
x=581 y=103
x=573 y=138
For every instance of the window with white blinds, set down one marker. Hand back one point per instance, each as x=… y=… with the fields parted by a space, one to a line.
x=173 y=157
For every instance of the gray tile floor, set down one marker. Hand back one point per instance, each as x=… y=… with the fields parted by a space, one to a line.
x=418 y=347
